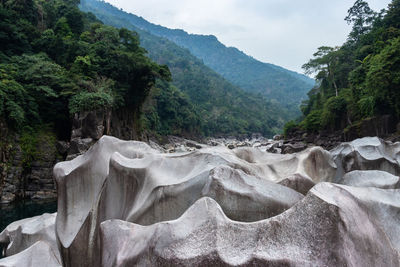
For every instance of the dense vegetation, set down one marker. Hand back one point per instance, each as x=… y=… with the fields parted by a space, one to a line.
x=211 y=102
x=284 y=87
x=359 y=79
x=57 y=60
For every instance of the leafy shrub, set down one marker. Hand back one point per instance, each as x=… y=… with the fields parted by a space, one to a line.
x=333 y=111
x=312 y=121
x=366 y=106
x=86 y=101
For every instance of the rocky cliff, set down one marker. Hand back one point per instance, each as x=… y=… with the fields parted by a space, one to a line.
x=26 y=164
x=27 y=158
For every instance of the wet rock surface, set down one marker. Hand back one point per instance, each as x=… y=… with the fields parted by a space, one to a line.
x=228 y=203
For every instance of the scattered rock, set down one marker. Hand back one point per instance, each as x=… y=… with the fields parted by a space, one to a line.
x=299 y=183
x=62 y=147
x=293 y=148
x=194 y=145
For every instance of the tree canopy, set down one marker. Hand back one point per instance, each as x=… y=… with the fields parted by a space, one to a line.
x=359 y=79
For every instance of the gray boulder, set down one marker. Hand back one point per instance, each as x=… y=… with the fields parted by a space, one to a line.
x=298 y=183
x=22 y=234
x=80 y=182
x=369 y=153
x=39 y=254
x=293 y=148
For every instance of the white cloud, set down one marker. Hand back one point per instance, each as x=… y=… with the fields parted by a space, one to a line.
x=282 y=32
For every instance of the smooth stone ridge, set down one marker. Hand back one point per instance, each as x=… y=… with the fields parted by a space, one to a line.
x=22 y=234
x=330 y=227
x=124 y=203
x=368 y=153
x=378 y=179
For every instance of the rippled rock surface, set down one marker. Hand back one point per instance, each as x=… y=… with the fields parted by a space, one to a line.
x=369 y=153
x=124 y=203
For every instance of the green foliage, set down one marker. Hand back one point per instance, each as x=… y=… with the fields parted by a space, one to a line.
x=366 y=106
x=98 y=94
x=28 y=142
x=383 y=78
x=12 y=102
x=312 y=122
x=57 y=60
x=286 y=88
x=362 y=17
x=171 y=112
x=199 y=93
x=87 y=101
x=333 y=111
x=361 y=78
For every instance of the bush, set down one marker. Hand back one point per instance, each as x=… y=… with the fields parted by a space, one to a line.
x=334 y=109
x=87 y=101
x=366 y=106
x=312 y=122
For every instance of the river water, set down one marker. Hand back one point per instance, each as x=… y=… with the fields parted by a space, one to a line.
x=24 y=209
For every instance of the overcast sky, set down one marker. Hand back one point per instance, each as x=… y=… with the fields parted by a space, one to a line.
x=282 y=32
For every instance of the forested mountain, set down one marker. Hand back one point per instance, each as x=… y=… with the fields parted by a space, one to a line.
x=222 y=107
x=57 y=61
x=360 y=79
x=278 y=84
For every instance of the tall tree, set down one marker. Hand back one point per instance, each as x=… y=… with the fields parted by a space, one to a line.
x=362 y=17
x=324 y=64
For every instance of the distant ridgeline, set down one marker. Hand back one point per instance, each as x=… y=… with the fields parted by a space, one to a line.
x=283 y=89
x=57 y=61
x=286 y=87
x=358 y=82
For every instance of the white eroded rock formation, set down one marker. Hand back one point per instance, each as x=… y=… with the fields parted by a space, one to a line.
x=369 y=153
x=124 y=203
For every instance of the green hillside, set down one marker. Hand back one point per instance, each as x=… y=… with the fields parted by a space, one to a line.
x=56 y=61
x=223 y=107
x=276 y=83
